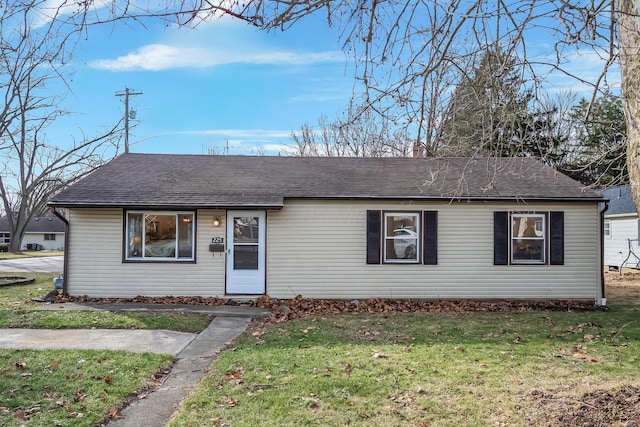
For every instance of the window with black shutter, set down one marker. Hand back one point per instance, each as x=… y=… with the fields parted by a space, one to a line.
x=528 y=238
x=397 y=237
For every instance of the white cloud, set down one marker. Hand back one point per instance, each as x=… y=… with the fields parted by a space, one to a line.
x=239 y=134
x=157 y=57
x=578 y=72
x=316 y=97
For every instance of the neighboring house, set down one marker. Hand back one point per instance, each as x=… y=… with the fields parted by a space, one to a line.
x=238 y=226
x=43 y=233
x=621 y=229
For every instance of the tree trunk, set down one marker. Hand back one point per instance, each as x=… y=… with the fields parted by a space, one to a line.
x=629 y=47
x=17 y=235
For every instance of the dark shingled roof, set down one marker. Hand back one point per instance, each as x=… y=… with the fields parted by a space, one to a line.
x=620 y=200
x=175 y=181
x=44 y=224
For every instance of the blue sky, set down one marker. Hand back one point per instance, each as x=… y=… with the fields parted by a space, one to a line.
x=222 y=84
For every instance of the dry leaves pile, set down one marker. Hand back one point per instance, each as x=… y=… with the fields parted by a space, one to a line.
x=617 y=407
x=283 y=310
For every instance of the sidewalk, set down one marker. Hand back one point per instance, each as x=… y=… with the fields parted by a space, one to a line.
x=192 y=365
x=194 y=352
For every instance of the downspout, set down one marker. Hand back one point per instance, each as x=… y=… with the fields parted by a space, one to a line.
x=65 y=262
x=603 y=295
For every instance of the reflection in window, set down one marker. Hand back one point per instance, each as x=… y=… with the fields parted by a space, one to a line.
x=528 y=238
x=401 y=231
x=245 y=229
x=159 y=236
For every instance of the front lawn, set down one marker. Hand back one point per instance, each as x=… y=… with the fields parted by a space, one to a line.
x=29 y=254
x=17 y=310
x=465 y=369
x=72 y=387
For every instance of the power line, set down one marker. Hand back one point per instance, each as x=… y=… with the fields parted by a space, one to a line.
x=127 y=93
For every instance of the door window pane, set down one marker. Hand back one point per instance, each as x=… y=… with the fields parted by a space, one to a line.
x=245 y=257
x=245 y=229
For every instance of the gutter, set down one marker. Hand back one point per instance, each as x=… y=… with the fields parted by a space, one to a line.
x=603 y=295
x=280 y=203
x=65 y=262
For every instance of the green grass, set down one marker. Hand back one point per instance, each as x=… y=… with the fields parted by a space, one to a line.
x=463 y=369
x=29 y=254
x=18 y=311
x=70 y=388
x=74 y=387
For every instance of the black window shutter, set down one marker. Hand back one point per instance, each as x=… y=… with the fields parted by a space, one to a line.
x=430 y=238
x=374 y=236
x=556 y=238
x=501 y=238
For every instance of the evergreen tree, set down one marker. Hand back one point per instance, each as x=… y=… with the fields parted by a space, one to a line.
x=486 y=110
x=599 y=150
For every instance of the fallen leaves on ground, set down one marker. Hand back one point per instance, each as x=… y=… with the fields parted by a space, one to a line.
x=620 y=406
x=283 y=310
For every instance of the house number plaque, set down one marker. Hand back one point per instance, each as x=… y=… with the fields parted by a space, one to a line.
x=217 y=244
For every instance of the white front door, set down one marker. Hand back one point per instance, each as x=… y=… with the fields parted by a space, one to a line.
x=246 y=252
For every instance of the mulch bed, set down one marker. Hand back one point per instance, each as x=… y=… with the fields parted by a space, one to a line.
x=16 y=280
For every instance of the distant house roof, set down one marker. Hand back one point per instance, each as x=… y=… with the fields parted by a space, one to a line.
x=175 y=181
x=43 y=224
x=620 y=200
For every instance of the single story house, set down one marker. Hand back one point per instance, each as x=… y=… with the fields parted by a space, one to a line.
x=341 y=228
x=43 y=233
x=621 y=229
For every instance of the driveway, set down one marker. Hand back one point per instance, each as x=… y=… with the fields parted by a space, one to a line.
x=49 y=264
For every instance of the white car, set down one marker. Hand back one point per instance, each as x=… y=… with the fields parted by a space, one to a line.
x=405 y=248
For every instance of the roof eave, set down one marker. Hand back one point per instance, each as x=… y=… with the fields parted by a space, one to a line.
x=280 y=205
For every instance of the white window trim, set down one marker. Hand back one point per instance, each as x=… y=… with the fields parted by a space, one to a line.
x=142 y=258
x=606 y=229
x=385 y=238
x=544 y=238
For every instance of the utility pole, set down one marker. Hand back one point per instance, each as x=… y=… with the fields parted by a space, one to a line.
x=127 y=93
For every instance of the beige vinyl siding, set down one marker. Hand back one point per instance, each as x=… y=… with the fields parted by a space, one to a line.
x=318 y=249
x=96 y=268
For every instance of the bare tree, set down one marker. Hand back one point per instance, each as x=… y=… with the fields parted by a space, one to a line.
x=410 y=53
x=355 y=135
x=34 y=52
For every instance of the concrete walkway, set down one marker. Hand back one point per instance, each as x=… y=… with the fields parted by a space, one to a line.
x=193 y=363
x=194 y=352
x=136 y=340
